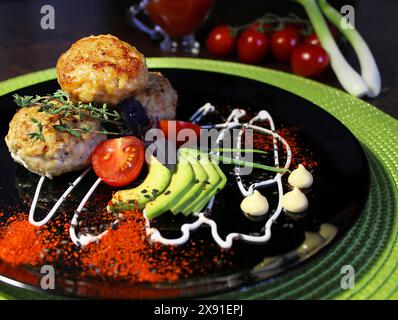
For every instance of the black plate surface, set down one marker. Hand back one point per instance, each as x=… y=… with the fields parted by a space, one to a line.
x=338 y=196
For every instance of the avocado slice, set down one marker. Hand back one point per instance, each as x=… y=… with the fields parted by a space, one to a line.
x=210 y=195
x=181 y=181
x=212 y=181
x=157 y=180
x=201 y=178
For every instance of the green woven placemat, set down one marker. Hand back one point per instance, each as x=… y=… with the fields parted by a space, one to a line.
x=371 y=246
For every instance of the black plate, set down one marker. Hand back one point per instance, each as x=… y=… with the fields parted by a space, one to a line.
x=338 y=196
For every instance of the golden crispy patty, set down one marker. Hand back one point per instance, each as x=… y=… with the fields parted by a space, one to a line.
x=102 y=69
x=159 y=98
x=61 y=152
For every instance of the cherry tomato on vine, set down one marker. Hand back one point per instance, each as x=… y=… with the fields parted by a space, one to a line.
x=118 y=162
x=283 y=43
x=221 y=41
x=252 y=46
x=312 y=39
x=309 y=60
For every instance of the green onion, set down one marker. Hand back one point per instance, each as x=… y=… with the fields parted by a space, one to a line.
x=239 y=150
x=351 y=81
x=369 y=71
x=248 y=164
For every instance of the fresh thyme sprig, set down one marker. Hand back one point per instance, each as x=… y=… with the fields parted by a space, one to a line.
x=77 y=132
x=38 y=135
x=60 y=104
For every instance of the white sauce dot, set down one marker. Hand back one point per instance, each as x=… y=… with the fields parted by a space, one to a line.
x=255 y=204
x=295 y=201
x=301 y=178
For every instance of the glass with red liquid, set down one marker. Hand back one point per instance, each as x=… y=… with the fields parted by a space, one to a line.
x=175 y=20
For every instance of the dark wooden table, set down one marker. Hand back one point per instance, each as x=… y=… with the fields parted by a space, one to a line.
x=25 y=47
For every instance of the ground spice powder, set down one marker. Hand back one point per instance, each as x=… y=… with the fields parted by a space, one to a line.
x=125 y=253
x=20 y=243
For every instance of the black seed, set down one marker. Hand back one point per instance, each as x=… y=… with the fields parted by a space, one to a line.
x=144 y=191
x=167 y=193
x=147 y=196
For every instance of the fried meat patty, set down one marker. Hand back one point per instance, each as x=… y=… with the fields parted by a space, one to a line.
x=159 y=98
x=102 y=69
x=61 y=152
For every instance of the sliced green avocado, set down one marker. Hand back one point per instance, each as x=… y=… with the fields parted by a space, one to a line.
x=219 y=187
x=157 y=180
x=212 y=181
x=181 y=181
x=201 y=178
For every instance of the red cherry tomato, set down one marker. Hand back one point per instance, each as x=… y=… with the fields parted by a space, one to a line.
x=171 y=128
x=312 y=39
x=309 y=60
x=252 y=46
x=221 y=41
x=118 y=162
x=283 y=43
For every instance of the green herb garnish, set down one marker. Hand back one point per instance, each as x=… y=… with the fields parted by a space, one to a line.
x=60 y=104
x=236 y=150
x=38 y=135
x=242 y=163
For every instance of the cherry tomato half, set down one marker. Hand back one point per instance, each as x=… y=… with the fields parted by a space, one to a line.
x=252 y=46
x=221 y=41
x=171 y=128
x=283 y=43
x=309 y=60
x=118 y=162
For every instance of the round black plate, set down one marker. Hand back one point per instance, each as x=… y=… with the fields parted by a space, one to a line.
x=340 y=195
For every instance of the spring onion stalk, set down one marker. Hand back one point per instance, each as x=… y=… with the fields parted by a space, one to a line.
x=369 y=71
x=239 y=150
x=243 y=163
x=350 y=80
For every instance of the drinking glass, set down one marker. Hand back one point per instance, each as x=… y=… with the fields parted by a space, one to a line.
x=174 y=20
